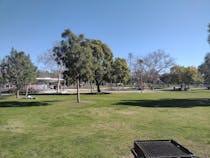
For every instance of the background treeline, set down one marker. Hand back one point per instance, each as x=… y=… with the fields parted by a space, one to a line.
x=79 y=59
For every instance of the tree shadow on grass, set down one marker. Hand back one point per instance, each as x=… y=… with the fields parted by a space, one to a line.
x=3 y=97
x=168 y=103
x=4 y=104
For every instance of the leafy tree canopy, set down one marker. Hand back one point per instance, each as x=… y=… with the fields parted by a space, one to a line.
x=102 y=61
x=187 y=75
x=3 y=74
x=205 y=68
x=19 y=69
x=75 y=55
x=120 y=72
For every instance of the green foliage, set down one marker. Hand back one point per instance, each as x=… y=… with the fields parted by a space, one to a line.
x=19 y=69
x=84 y=59
x=3 y=74
x=102 y=126
x=187 y=75
x=75 y=55
x=102 y=61
x=192 y=75
x=120 y=71
x=205 y=68
x=168 y=78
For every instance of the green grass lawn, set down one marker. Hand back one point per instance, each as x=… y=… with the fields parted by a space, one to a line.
x=102 y=126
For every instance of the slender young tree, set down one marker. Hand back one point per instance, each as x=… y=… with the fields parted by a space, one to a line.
x=130 y=61
x=209 y=33
x=131 y=66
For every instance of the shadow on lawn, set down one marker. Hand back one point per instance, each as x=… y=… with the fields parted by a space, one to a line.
x=24 y=103
x=182 y=103
x=4 y=97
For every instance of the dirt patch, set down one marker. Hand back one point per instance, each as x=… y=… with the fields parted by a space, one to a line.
x=14 y=126
x=127 y=112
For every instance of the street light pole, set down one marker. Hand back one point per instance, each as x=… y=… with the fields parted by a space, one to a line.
x=141 y=61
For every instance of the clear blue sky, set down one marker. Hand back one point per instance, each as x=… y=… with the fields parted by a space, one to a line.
x=139 y=26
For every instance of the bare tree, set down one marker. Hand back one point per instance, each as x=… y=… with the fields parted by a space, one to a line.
x=209 y=33
x=157 y=63
x=48 y=59
x=130 y=61
x=154 y=64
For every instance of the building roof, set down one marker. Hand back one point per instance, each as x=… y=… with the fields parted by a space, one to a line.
x=49 y=79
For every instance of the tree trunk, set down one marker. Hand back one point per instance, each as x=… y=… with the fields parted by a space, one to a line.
x=59 y=82
x=78 y=94
x=98 y=86
x=0 y=89
x=26 y=90
x=91 y=87
x=182 y=87
x=17 y=93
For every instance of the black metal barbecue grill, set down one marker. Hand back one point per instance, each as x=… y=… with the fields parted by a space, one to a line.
x=160 y=149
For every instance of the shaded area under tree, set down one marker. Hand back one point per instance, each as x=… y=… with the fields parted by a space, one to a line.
x=168 y=103
x=4 y=104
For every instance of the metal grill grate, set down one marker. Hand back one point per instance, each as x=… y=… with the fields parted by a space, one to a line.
x=160 y=149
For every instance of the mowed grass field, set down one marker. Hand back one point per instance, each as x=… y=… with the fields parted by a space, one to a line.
x=102 y=126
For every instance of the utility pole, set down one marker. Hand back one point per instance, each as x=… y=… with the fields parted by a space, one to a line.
x=130 y=57
x=141 y=61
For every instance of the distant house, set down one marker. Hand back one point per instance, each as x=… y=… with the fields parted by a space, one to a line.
x=45 y=83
